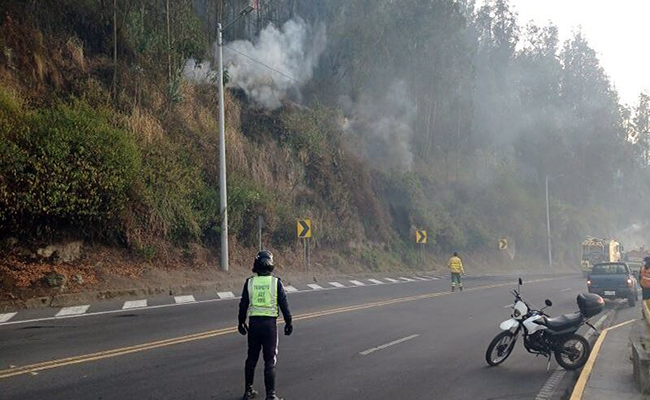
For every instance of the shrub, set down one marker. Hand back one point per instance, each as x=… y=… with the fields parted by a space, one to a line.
x=63 y=167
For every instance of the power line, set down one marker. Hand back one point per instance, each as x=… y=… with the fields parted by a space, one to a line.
x=262 y=64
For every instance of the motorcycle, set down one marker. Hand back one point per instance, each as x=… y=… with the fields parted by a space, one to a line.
x=545 y=336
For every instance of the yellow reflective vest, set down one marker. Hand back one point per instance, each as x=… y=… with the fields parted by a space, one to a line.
x=263 y=296
x=455 y=265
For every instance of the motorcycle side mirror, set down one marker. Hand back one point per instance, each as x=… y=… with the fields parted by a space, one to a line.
x=548 y=303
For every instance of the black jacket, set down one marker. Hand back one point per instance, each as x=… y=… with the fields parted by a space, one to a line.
x=282 y=302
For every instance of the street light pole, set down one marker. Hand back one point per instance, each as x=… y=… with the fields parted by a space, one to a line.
x=222 y=156
x=223 y=190
x=548 y=228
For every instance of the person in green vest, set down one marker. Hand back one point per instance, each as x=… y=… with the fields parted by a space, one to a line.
x=262 y=298
x=456 y=268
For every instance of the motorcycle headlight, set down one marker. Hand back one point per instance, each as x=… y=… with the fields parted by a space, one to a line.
x=516 y=313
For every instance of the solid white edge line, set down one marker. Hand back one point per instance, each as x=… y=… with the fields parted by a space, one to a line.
x=391 y=280
x=377 y=281
x=290 y=289
x=184 y=299
x=393 y=343
x=131 y=304
x=226 y=295
x=315 y=286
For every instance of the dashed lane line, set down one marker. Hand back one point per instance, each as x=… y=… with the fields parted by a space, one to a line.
x=65 y=311
x=7 y=317
x=290 y=289
x=134 y=304
x=391 y=280
x=406 y=279
x=184 y=299
x=226 y=295
x=376 y=281
x=393 y=343
x=357 y=283
x=420 y=278
x=315 y=286
x=336 y=284
x=34 y=368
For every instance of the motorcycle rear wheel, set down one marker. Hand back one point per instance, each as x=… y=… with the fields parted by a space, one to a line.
x=573 y=352
x=500 y=348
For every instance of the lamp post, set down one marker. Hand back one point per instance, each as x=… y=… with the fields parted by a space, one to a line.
x=548 y=222
x=222 y=141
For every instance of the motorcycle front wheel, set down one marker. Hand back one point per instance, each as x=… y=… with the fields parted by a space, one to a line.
x=500 y=348
x=572 y=352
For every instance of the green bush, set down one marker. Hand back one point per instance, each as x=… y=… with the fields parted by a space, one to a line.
x=64 y=167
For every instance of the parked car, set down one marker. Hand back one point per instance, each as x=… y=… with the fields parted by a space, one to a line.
x=614 y=280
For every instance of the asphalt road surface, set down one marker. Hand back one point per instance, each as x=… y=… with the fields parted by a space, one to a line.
x=391 y=341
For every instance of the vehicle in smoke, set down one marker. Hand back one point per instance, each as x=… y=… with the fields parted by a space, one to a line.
x=614 y=281
x=546 y=336
x=634 y=258
x=596 y=251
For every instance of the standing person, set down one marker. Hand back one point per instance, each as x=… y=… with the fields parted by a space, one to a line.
x=456 y=268
x=644 y=274
x=263 y=294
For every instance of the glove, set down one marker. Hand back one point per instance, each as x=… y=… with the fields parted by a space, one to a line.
x=243 y=328
x=288 y=329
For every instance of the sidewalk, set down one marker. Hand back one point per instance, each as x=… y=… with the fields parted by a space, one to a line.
x=612 y=375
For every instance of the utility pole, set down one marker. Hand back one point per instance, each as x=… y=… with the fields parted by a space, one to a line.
x=222 y=156
x=548 y=228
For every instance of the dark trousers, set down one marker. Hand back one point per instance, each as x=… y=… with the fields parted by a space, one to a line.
x=262 y=336
x=646 y=293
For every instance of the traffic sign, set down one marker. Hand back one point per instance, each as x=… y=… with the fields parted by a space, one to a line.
x=421 y=237
x=503 y=244
x=303 y=228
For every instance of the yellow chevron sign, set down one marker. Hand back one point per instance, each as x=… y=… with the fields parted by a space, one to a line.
x=303 y=228
x=503 y=244
x=421 y=237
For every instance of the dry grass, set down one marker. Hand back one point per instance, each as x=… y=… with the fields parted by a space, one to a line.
x=145 y=125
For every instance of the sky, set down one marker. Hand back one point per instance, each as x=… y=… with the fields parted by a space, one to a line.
x=617 y=30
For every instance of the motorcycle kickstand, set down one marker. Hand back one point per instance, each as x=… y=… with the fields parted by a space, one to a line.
x=548 y=364
x=592 y=327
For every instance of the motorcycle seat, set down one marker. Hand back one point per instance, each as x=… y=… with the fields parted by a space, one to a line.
x=564 y=321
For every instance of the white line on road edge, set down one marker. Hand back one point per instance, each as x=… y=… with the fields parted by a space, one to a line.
x=420 y=278
x=290 y=289
x=565 y=290
x=7 y=317
x=391 y=280
x=357 y=283
x=134 y=304
x=315 y=286
x=72 y=310
x=226 y=295
x=336 y=284
x=509 y=306
x=383 y=346
x=406 y=279
x=184 y=299
x=377 y=281
x=552 y=383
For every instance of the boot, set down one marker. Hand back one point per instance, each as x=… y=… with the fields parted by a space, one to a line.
x=249 y=393
x=453 y=288
x=269 y=383
x=273 y=397
x=461 y=288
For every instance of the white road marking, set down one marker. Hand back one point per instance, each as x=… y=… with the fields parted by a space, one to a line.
x=290 y=289
x=134 y=304
x=391 y=280
x=435 y=278
x=7 y=317
x=377 y=281
x=357 y=283
x=226 y=295
x=184 y=299
x=565 y=290
x=336 y=284
x=420 y=278
x=406 y=279
x=508 y=306
x=73 y=310
x=383 y=346
x=315 y=286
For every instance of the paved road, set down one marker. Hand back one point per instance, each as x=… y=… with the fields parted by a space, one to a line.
x=442 y=355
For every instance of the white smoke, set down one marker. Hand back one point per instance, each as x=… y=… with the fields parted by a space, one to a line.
x=272 y=67
x=384 y=125
x=292 y=51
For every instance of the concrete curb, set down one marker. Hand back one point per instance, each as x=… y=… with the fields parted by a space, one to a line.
x=639 y=340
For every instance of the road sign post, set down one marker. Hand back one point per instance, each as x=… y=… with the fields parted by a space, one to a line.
x=260 y=225
x=303 y=229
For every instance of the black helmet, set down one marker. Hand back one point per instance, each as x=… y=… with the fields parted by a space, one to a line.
x=263 y=262
x=646 y=260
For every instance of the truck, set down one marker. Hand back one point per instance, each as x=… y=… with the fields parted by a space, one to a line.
x=596 y=251
x=614 y=280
